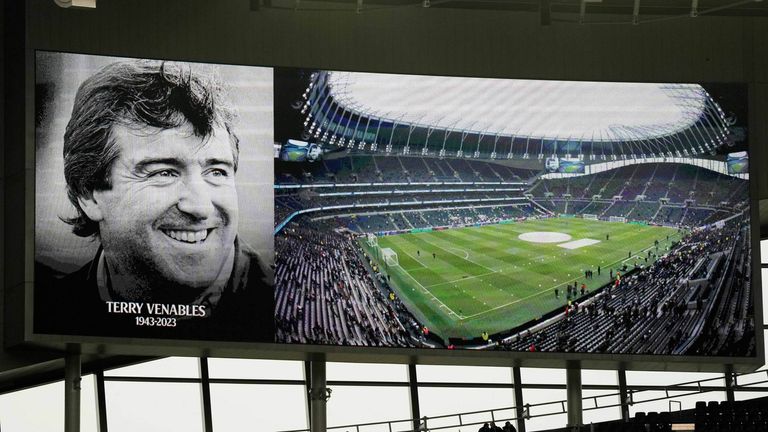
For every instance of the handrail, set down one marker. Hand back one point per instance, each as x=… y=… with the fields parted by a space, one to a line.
x=696 y=387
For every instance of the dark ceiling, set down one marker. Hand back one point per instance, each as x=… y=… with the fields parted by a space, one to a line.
x=616 y=7
x=562 y=10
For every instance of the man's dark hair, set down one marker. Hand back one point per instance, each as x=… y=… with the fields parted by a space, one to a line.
x=135 y=94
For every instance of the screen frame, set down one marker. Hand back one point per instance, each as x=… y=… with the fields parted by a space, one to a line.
x=167 y=347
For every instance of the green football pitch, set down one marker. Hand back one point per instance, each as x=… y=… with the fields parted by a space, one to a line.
x=490 y=279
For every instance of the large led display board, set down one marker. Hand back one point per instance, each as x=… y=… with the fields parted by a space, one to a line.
x=564 y=166
x=738 y=163
x=314 y=211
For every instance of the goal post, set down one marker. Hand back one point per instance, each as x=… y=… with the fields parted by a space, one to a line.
x=389 y=257
x=372 y=240
x=589 y=216
x=617 y=219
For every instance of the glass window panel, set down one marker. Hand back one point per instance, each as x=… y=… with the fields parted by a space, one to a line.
x=268 y=406
x=600 y=398
x=765 y=346
x=689 y=401
x=153 y=407
x=89 y=409
x=764 y=278
x=350 y=405
x=255 y=369
x=536 y=396
x=366 y=372
x=764 y=251
x=542 y=376
x=448 y=402
x=41 y=408
x=169 y=367
x=646 y=401
x=464 y=374
x=747 y=395
x=673 y=378
x=21 y=410
x=599 y=377
x=754 y=379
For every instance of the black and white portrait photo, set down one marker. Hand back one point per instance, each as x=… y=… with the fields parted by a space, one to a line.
x=153 y=199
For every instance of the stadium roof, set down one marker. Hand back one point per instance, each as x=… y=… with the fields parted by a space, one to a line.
x=597 y=111
x=502 y=118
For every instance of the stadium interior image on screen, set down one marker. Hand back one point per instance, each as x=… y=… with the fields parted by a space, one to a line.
x=513 y=215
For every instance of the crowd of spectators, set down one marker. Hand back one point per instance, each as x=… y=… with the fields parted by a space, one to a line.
x=435 y=216
x=325 y=294
x=641 y=211
x=673 y=182
x=666 y=194
x=396 y=168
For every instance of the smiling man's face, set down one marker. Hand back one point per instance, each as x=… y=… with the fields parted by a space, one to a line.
x=170 y=219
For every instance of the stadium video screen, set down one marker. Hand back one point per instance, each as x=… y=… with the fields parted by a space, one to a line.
x=738 y=163
x=203 y=202
x=565 y=166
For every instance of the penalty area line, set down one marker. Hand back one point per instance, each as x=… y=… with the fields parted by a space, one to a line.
x=442 y=305
x=415 y=259
x=460 y=280
x=456 y=255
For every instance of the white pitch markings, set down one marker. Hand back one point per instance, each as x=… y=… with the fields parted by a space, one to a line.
x=415 y=259
x=467 y=259
x=442 y=305
x=545 y=290
x=637 y=255
x=460 y=280
x=466 y=254
x=533 y=259
x=538 y=293
x=506 y=304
